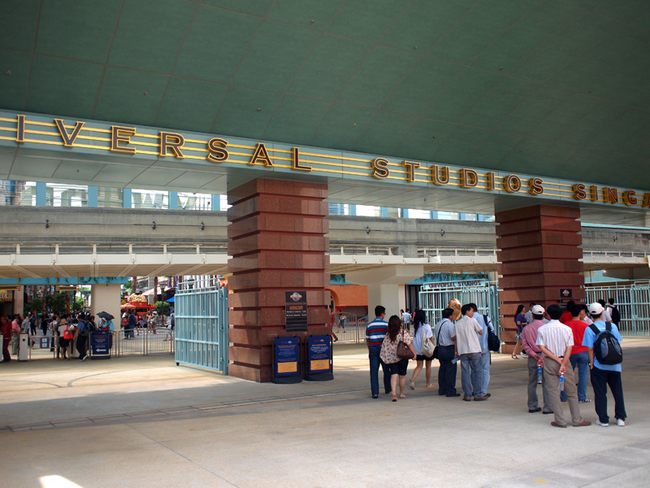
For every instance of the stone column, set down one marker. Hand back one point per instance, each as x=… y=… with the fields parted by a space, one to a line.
x=539 y=253
x=277 y=231
x=106 y=298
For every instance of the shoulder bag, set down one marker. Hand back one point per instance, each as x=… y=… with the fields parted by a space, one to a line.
x=403 y=351
x=436 y=351
x=426 y=349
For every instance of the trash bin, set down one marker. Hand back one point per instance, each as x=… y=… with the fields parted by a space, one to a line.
x=23 y=347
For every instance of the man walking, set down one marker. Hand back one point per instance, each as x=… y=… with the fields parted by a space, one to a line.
x=555 y=340
x=604 y=374
x=375 y=333
x=443 y=332
x=535 y=359
x=484 y=321
x=579 y=355
x=469 y=349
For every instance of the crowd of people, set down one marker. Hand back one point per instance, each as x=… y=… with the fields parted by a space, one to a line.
x=555 y=341
x=67 y=331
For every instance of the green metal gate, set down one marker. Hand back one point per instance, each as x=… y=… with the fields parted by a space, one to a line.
x=434 y=298
x=632 y=301
x=201 y=323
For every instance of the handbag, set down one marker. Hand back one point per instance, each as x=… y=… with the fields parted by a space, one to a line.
x=426 y=349
x=436 y=351
x=493 y=342
x=403 y=351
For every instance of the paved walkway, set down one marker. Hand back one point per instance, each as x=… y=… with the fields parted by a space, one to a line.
x=138 y=421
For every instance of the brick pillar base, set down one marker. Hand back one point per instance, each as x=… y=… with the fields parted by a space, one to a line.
x=277 y=231
x=539 y=252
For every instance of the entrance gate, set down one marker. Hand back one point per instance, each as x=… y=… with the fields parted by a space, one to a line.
x=632 y=301
x=201 y=324
x=434 y=298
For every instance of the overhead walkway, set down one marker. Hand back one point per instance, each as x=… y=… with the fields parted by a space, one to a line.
x=94 y=242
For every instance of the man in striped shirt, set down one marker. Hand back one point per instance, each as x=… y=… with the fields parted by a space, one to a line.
x=375 y=333
x=555 y=340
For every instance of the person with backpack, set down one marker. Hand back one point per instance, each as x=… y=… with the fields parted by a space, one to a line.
x=614 y=313
x=603 y=342
x=83 y=332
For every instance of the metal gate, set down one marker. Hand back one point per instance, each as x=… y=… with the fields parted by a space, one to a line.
x=434 y=298
x=201 y=324
x=632 y=301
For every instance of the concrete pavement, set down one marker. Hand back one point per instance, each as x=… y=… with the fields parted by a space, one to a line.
x=142 y=421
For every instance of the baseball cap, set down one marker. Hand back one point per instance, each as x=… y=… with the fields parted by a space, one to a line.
x=538 y=310
x=596 y=308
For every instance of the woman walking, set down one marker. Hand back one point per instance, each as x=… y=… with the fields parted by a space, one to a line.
x=397 y=366
x=520 y=321
x=421 y=332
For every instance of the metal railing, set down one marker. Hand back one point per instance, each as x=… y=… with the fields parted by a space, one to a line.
x=354 y=330
x=632 y=301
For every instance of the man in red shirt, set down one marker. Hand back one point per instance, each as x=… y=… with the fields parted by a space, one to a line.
x=566 y=316
x=5 y=330
x=579 y=355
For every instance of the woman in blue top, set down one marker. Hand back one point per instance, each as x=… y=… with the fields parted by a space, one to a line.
x=521 y=322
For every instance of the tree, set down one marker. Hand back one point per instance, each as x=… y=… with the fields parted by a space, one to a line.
x=34 y=305
x=58 y=302
x=78 y=304
x=162 y=308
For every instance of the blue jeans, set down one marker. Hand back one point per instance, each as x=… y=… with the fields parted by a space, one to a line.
x=375 y=361
x=582 y=360
x=485 y=368
x=471 y=374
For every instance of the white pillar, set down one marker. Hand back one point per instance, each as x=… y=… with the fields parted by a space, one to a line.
x=386 y=285
x=106 y=298
x=19 y=300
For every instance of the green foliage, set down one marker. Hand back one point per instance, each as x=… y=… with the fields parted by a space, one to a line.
x=78 y=304
x=34 y=305
x=162 y=308
x=58 y=302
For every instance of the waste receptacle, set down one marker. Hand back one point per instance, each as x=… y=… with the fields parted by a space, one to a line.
x=23 y=347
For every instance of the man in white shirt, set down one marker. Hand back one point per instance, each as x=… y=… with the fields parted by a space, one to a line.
x=606 y=315
x=468 y=348
x=485 y=352
x=556 y=341
x=529 y=314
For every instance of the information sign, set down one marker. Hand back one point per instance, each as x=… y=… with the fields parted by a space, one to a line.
x=295 y=311
x=286 y=360
x=319 y=358
x=100 y=344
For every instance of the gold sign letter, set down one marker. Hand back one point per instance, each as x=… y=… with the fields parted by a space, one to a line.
x=170 y=140
x=218 y=153
x=68 y=139
x=512 y=184
x=611 y=195
x=579 y=192
x=122 y=135
x=295 y=160
x=410 y=166
x=435 y=175
x=536 y=187
x=646 y=199
x=20 y=128
x=594 y=193
x=379 y=168
x=490 y=177
x=468 y=178
x=629 y=198
x=261 y=155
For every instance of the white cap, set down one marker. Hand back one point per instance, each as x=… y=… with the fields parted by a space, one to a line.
x=538 y=310
x=596 y=308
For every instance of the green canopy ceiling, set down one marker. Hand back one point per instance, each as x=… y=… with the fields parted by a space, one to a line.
x=557 y=87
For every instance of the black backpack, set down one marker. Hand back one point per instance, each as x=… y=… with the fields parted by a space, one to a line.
x=493 y=342
x=606 y=346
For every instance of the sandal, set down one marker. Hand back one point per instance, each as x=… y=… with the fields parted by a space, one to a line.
x=394 y=397
x=411 y=384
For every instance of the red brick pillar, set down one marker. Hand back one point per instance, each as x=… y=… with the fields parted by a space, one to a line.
x=277 y=231
x=539 y=252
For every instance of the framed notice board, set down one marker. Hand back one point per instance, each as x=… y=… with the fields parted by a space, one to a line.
x=319 y=358
x=295 y=311
x=286 y=360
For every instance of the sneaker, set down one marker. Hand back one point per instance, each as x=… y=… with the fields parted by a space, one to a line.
x=586 y=400
x=598 y=422
x=620 y=422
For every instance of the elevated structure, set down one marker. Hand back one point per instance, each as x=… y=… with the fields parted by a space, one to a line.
x=479 y=107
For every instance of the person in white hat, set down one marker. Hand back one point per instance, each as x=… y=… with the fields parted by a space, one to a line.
x=535 y=358
x=604 y=374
